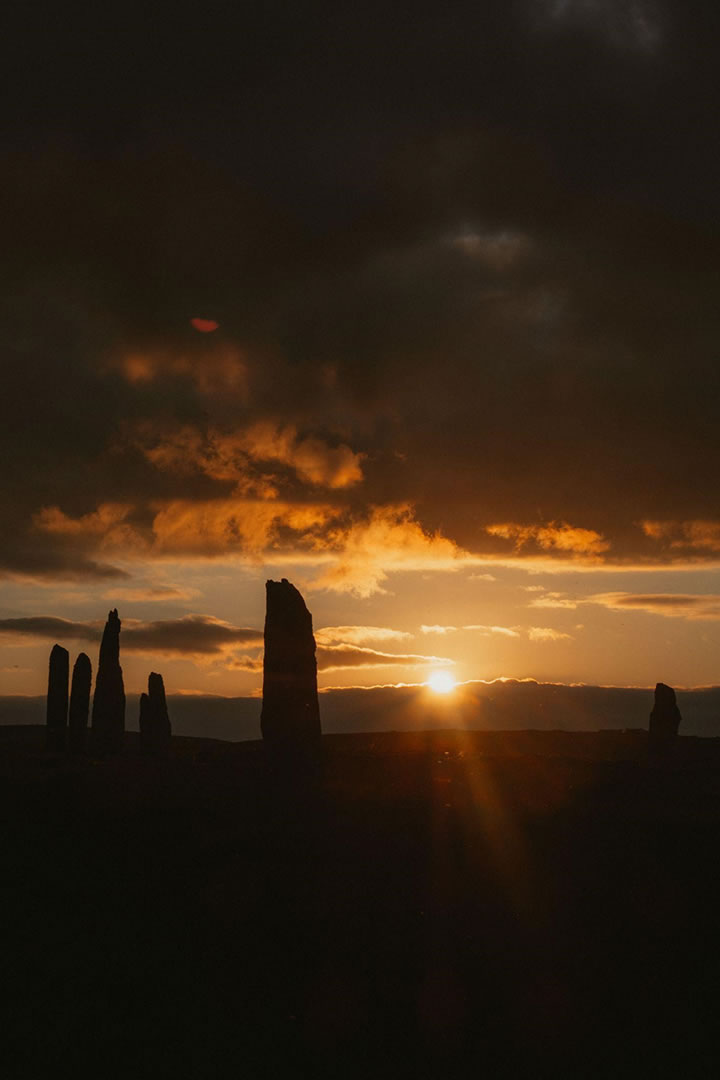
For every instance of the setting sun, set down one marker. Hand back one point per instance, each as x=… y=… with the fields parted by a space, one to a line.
x=441 y=682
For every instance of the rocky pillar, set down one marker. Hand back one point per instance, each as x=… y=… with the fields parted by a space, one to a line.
x=155 y=730
x=664 y=722
x=57 y=698
x=290 y=712
x=80 y=703
x=108 y=712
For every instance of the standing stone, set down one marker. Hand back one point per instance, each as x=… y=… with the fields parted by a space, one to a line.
x=290 y=712
x=664 y=722
x=108 y=712
x=57 y=698
x=80 y=703
x=155 y=730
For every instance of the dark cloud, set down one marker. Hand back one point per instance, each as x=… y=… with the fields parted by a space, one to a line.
x=203 y=636
x=191 y=635
x=49 y=626
x=33 y=557
x=463 y=260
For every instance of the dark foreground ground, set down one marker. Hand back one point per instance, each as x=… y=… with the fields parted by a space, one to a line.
x=441 y=904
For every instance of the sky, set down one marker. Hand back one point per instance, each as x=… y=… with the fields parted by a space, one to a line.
x=456 y=369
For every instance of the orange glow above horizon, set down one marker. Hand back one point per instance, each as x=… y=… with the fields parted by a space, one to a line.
x=204 y=326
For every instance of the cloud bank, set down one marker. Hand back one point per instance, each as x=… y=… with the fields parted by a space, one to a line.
x=479 y=322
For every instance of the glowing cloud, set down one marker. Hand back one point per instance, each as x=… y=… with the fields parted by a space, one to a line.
x=390 y=540
x=329 y=635
x=506 y=631
x=313 y=460
x=546 y=633
x=232 y=454
x=555 y=536
x=553 y=600
x=698 y=535
x=220 y=527
x=334 y=657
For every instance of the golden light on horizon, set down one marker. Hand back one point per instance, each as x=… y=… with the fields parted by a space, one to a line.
x=441 y=682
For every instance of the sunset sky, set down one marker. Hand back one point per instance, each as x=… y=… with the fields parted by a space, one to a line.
x=415 y=306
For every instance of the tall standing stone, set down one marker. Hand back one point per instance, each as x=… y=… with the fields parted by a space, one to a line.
x=57 y=698
x=290 y=711
x=664 y=722
x=108 y=712
x=80 y=703
x=155 y=730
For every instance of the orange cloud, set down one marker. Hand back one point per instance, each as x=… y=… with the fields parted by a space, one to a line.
x=233 y=526
x=151 y=594
x=700 y=535
x=546 y=633
x=107 y=516
x=230 y=526
x=357 y=555
x=553 y=600
x=390 y=540
x=107 y=526
x=313 y=460
x=243 y=663
x=233 y=455
x=220 y=370
x=486 y=630
x=329 y=635
x=555 y=536
x=187 y=451
x=335 y=657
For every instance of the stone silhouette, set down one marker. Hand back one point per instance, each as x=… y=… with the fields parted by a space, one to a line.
x=664 y=721
x=79 y=704
x=290 y=715
x=57 y=698
x=108 y=712
x=155 y=730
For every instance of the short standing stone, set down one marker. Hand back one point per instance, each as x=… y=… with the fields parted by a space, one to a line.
x=664 y=721
x=155 y=730
x=57 y=698
x=108 y=712
x=290 y=711
x=80 y=703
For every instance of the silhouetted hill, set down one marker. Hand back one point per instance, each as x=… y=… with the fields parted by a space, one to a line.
x=495 y=706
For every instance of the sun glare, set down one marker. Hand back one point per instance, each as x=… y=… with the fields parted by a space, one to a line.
x=441 y=682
